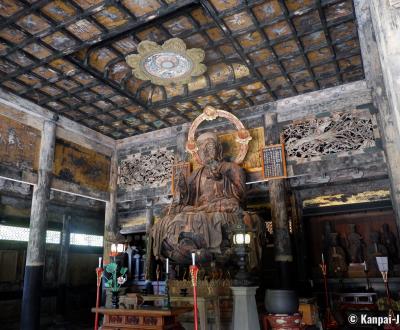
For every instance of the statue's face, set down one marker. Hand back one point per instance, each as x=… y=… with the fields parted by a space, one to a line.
x=210 y=151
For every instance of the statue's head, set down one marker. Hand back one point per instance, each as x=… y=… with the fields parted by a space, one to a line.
x=374 y=237
x=385 y=227
x=209 y=147
x=334 y=239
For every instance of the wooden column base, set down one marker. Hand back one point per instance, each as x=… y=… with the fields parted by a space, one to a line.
x=30 y=315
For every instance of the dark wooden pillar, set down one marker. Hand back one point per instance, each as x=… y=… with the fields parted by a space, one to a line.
x=280 y=220
x=111 y=216
x=63 y=265
x=299 y=235
x=30 y=318
x=379 y=32
x=149 y=243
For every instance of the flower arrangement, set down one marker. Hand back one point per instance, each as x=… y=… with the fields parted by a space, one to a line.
x=114 y=281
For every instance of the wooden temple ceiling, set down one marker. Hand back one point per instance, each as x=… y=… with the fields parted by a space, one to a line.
x=69 y=56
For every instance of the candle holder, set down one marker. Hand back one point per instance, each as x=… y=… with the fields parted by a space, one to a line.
x=158 y=272
x=99 y=274
x=168 y=304
x=193 y=272
x=367 y=276
x=329 y=319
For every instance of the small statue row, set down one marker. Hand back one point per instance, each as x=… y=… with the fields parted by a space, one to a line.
x=352 y=250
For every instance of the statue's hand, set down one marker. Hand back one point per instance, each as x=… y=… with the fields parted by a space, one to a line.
x=213 y=167
x=188 y=208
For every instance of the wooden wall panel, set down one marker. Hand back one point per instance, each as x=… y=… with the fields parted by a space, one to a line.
x=81 y=166
x=19 y=145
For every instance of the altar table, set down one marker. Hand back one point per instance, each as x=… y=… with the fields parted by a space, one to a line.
x=201 y=304
x=143 y=319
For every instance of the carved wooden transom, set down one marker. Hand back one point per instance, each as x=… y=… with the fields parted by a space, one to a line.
x=324 y=136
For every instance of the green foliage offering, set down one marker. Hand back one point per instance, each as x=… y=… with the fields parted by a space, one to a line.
x=112 y=280
x=384 y=304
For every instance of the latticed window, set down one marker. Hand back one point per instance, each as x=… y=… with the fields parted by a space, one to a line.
x=53 y=237
x=86 y=240
x=21 y=234
x=10 y=233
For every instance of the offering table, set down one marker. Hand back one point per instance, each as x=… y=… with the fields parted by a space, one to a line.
x=143 y=319
x=201 y=303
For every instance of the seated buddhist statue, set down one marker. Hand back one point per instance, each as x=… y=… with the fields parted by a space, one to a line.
x=337 y=264
x=203 y=209
x=355 y=245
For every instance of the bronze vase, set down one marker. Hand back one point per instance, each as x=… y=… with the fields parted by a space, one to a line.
x=115 y=299
x=281 y=301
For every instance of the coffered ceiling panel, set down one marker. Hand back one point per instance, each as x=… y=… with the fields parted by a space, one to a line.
x=69 y=56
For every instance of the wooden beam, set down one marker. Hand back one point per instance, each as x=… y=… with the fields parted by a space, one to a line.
x=337 y=98
x=31 y=178
x=332 y=99
x=161 y=134
x=350 y=188
x=28 y=113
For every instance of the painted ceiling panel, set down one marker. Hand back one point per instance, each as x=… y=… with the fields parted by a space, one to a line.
x=69 y=56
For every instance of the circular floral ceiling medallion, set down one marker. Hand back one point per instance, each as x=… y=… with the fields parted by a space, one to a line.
x=168 y=64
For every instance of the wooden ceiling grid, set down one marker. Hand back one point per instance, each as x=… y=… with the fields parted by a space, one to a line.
x=69 y=56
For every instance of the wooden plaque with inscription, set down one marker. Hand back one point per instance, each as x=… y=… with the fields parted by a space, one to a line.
x=274 y=163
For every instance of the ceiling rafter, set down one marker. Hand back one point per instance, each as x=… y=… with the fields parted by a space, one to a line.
x=112 y=33
x=92 y=84
x=210 y=9
x=28 y=8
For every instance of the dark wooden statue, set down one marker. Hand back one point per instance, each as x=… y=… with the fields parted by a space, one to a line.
x=389 y=241
x=375 y=249
x=203 y=209
x=337 y=264
x=355 y=245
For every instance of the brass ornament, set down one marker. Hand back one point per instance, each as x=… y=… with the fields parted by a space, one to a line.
x=168 y=64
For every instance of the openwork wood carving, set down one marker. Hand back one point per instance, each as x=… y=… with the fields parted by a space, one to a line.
x=395 y=3
x=146 y=170
x=339 y=133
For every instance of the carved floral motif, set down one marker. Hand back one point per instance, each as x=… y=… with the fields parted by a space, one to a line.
x=139 y=170
x=168 y=64
x=150 y=320
x=323 y=136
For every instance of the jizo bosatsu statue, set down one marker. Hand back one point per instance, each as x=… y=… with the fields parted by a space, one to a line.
x=204 y=208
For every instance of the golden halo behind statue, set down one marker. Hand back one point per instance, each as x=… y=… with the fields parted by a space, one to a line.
x=210 y=113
